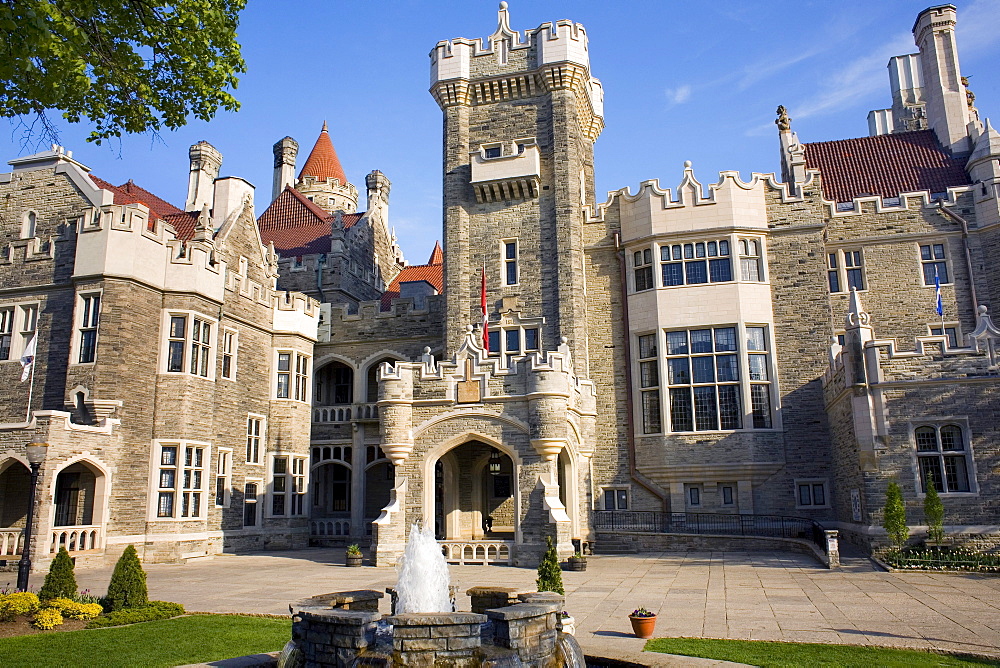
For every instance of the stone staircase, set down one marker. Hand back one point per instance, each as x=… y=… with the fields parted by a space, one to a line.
x=609 y=543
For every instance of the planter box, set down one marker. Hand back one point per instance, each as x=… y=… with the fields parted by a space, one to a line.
x=576 y=564
x=355 y=560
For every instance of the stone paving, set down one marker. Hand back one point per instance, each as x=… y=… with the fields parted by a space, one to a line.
x=757 y=595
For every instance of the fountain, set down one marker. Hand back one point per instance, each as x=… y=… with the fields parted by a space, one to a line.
x=345 y=629
x=423 y=575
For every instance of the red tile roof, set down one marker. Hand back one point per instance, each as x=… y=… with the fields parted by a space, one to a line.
x=884 y=165
x=130 y=193
x=323 y=162
x=433 y=273
x=297 y=226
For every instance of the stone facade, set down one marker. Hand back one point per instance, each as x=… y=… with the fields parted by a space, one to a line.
x=146 y=418
x=764 y=347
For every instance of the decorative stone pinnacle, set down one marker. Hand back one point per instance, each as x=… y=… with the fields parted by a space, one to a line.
x=687 y=165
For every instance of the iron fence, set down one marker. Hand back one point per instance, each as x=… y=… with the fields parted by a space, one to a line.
x=655 y=521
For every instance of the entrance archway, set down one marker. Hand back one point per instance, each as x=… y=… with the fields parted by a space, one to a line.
x=79 y=500
x=470 y=502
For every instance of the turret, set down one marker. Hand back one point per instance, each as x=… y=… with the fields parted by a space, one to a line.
x=322 y=178
x=948 y=111
x=206 y=161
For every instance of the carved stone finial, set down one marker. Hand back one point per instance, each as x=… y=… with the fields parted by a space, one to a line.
x=783 y=122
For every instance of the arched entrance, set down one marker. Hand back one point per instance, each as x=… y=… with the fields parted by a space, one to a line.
x=331 y=491
x=78 y=500
x=15 y=482
x=471 y=501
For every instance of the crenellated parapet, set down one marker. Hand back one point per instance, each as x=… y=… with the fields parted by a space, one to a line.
x=296 y=313
x=509 y=65
x=122 y=241
x=731 y=202
x=404 y=318
x=539 y=391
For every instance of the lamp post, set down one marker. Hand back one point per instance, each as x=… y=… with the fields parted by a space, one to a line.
x=36 y=455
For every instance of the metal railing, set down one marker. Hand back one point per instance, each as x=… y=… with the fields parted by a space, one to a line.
x=656 y=521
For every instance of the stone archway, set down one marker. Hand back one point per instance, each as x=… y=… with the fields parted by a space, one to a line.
x=468 y=500
x=15 y=482
x=79 y=498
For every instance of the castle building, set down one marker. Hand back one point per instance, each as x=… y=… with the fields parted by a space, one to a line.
x=785 y=345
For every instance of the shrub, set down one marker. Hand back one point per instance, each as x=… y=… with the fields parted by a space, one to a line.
x=128 y=583
x=73 y=609
x=549 y=573
x=48 y=618
x=60 y=580
x=894 y=516
x=17 y=603
x=933 y=511
x=152 y=611
x=353 y=550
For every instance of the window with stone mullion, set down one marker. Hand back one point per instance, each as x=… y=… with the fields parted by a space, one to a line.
x=649 y=382
x=6 y=331
x=704 y=363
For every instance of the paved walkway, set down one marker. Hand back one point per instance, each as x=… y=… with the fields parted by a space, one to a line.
x=763 y=595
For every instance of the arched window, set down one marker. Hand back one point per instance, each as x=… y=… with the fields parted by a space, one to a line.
x=372 y=380
x=28 y=225
x=942 y=458
x=334 y=385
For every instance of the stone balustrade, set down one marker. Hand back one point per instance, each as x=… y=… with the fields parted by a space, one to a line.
x=477 y=551
x=11 y=542
x=346 y=413
x=76 y=538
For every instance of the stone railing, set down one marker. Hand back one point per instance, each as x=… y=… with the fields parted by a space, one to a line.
x=478 y=551
x=345 y=413
x=76 y=538
x=330 y=526
x=11 y=541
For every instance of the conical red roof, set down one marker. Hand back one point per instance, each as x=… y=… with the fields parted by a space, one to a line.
x=323 y=162
x=437 y=255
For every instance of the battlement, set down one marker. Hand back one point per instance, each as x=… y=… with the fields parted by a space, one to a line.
x=730 y=203
x=296 y=313
x=918 y=199
x=561 y=41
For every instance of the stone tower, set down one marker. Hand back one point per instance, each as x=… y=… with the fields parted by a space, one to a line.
x=521 y=114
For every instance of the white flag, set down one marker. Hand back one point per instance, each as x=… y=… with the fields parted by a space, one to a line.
x=28 y=358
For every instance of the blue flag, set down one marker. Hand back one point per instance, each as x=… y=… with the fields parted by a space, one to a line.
x=938 y=306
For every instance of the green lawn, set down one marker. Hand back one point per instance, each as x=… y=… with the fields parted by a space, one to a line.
x=782 y=654
x=171 y=642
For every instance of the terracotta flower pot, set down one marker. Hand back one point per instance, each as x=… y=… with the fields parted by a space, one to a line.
x=643 y=627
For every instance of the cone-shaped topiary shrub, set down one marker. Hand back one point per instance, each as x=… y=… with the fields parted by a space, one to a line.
x=894 y=516
x=60 y=582
x=933 y=511
x=128 y=583
x=549 y=573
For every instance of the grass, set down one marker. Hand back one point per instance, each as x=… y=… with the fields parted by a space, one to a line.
x=781 y=654
x=171 y=642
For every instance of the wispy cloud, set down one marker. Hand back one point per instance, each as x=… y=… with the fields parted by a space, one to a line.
x=679 y=95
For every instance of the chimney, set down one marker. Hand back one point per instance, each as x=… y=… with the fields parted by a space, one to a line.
x=230 y=194
x=947 y=106
x=378 y=194
x=205 y=164
x=285 y=152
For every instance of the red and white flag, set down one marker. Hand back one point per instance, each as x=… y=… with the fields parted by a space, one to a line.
x=28 y=358
x=482 y=302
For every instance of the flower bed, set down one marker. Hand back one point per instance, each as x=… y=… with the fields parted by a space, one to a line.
x=936 y=559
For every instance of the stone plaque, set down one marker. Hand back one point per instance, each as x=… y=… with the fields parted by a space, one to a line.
x=467 y=392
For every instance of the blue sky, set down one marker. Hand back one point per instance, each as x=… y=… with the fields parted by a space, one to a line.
x=692 y=81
